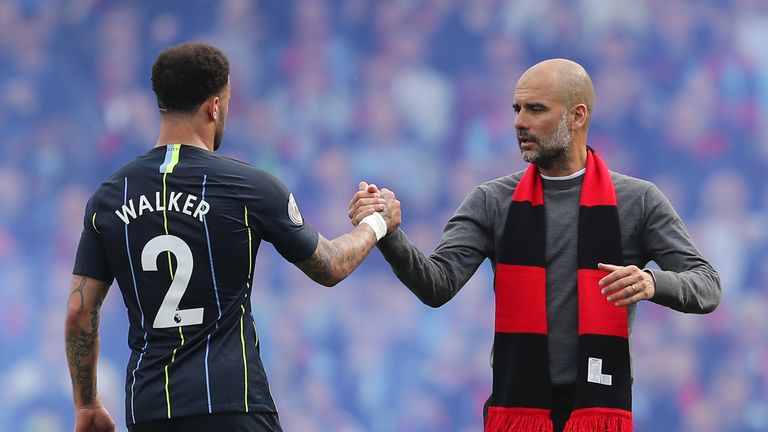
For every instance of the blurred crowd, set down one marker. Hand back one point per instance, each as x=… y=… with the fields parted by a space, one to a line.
x=413 y=95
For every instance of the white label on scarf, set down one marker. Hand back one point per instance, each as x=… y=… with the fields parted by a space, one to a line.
x=595 y=372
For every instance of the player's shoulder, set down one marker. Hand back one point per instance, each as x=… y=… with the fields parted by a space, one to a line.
x=232 y=162
x=244 y=167
x=252 y=182
x=136 y=166
x=116 y=183
x=256 y=177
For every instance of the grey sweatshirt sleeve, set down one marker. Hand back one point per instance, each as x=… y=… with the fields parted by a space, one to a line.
x=686 y=281
x=466 y=242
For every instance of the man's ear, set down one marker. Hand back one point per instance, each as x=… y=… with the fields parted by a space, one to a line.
x=213 y=108
x=579 y=116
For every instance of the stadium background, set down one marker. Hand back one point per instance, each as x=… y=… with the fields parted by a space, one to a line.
x=414 y=95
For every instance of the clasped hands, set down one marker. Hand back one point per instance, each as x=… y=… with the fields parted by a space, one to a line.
x=369 y=200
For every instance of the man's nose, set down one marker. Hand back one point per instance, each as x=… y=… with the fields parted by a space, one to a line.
x=521 y=121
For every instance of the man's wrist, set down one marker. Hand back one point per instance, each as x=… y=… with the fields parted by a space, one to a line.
x=377 y=223
x=653 y=278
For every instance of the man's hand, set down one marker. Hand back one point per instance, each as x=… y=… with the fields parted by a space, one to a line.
x=93 y=418
x=366 y=201
x=369 y=199
x=626 y=285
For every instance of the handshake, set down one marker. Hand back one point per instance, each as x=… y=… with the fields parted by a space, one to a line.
x=378 y=208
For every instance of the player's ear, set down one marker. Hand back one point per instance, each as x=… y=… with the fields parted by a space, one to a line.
x=213 y=107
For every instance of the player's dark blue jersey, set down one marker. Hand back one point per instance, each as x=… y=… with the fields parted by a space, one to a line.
x=179 y=227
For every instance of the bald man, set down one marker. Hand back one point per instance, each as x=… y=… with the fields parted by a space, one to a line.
x=568 y=241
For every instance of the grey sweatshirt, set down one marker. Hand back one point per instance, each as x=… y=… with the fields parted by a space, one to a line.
x=651 y=230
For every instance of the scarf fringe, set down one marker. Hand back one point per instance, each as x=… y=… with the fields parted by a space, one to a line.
x=518 y=420
x=599 y=420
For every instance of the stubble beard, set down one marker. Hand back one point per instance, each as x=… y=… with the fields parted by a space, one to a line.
x=218 y=134
x=553 y=150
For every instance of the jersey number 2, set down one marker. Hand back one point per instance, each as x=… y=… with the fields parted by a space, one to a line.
x=169 y=314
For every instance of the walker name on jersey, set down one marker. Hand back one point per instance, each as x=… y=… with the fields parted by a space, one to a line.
x=176 y=202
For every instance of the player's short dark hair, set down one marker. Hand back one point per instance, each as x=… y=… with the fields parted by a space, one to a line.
x=184 y=76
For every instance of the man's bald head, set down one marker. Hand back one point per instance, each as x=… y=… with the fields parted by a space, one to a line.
x=553 y=102
x=568 y=79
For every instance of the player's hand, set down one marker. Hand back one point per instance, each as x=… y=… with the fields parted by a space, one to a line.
x=366 y=201
x=626 y=285
x=93 y=418
x=369 y=199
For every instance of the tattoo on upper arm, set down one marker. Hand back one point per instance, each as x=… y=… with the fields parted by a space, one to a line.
x=81 y=342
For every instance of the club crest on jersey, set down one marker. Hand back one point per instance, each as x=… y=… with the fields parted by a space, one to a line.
x=293 y=211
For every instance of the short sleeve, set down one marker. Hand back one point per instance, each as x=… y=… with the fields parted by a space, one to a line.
x=91 y=258
x=280 y=221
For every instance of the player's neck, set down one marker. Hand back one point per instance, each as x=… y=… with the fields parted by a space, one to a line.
x=184 y=131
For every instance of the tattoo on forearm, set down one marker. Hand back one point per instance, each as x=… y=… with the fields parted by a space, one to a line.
x=81 y=345
x=336 y=259
x=350 y=251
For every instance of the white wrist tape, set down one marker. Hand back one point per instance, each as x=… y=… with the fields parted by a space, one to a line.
x=377 y=222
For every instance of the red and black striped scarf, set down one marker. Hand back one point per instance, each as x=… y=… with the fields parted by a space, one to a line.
x=522 y=390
